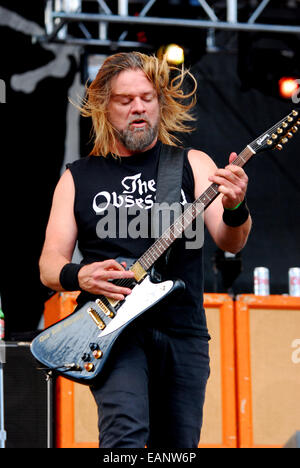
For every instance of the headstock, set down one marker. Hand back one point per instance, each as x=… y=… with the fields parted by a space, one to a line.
x=279 y=134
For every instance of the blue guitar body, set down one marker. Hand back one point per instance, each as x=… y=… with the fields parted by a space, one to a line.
x=79 y=346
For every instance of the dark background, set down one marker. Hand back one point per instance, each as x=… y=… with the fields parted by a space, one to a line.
x=232 y=110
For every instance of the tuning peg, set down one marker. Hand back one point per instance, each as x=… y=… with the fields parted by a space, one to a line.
x=295 y=129
x=295 y=113
x=284 y=124
x=269 y=142
x=279 y=147
x=279 y=130
x=274 y=136
x=298 y=122
x=289 y=135
x=284 y=140
x=290 y=119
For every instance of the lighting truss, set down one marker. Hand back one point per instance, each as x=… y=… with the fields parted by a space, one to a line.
x=61 y=14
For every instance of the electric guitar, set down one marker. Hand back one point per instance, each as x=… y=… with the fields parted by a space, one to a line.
x=78 y=346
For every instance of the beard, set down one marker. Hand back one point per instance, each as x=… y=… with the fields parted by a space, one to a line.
x=137 y=139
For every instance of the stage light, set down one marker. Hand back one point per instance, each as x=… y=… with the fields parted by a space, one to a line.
x=287 y=87
x=173 y=52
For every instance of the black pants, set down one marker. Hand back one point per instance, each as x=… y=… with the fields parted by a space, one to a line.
x=154 y=390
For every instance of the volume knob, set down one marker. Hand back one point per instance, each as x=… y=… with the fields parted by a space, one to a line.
x=97 y=354
x=89 y=367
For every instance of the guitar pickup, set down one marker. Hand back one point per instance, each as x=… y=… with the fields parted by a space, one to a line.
x=105 y=309
x=95 y=316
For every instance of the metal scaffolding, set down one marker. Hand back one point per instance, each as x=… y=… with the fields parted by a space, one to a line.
x=60 y=14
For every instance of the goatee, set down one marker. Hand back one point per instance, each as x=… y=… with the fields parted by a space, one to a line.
x=137 y=139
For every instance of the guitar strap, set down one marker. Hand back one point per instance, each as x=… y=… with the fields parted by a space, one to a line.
x=167 y=205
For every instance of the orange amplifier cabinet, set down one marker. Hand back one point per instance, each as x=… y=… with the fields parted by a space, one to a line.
x=219 y=413
x=76 y=411
x=268 y=369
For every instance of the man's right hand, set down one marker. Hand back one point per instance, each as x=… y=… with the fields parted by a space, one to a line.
x=94 y=277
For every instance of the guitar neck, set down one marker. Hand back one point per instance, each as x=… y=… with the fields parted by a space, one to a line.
x=159 y=247
x=274 y=138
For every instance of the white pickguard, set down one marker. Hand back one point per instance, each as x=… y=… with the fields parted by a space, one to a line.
x=142 y=297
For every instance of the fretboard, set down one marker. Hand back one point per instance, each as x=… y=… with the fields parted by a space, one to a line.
x=194 y=209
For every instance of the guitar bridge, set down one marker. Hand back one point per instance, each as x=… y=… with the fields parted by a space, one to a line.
x=92 y=312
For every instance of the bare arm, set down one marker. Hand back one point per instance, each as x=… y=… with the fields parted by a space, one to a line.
x=60 y=240
x=61 y=233
x=232 y=182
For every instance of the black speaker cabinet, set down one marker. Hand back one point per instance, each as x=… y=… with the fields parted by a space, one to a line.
x=27 y=400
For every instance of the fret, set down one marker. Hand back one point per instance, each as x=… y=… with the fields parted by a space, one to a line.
x=158 y=245
x=205 y=199
x=243 y=160
x=177 y=229
x=172 y=237
x=164 y=242
x=213 y=188
x=187 y=218
x=244 y=157
x=144 y=264
x=148 y=258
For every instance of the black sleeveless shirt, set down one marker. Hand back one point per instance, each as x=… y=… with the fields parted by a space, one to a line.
x=107 y=193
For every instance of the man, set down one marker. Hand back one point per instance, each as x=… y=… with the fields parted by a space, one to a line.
x=153 y=389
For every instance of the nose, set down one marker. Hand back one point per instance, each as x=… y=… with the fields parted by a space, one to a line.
x=137 y=105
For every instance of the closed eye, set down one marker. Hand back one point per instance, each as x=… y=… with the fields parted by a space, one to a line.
x=124 y=102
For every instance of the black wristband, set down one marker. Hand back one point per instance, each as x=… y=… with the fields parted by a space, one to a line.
x=235 y=218
x=68 y=277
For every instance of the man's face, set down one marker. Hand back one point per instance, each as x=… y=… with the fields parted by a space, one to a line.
x=133 y=110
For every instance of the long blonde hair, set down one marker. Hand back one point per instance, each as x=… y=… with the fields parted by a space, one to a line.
x=174 y=112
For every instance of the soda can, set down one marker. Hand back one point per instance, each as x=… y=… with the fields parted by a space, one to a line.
x=294 y=281
x=261 y=281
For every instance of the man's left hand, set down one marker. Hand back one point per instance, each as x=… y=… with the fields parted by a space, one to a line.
x=233 y=182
